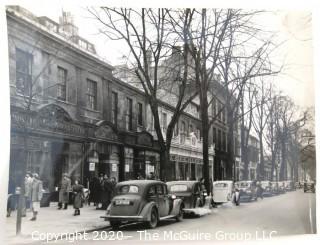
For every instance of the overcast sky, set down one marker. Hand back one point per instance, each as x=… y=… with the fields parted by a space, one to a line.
x=293 y=26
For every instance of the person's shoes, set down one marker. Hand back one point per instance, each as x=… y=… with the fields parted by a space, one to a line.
x=23 y=215
x=33 y=218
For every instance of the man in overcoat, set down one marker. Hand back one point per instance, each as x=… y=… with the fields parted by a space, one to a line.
x=36 y=195
x=64 y=192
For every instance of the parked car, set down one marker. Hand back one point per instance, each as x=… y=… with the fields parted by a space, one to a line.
x=282 y=187
x=298 y=185
x=309 y=186
x=275 y=187
x=289 y=186
x=248 y=190
x=191 y=194
x=222 y=191
x=146 y=201
x=267 y=188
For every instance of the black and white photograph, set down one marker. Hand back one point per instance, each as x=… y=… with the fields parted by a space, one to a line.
x=158 y=123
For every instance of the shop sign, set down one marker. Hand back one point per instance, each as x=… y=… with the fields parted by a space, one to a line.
x=92 y=166
x=93 y=159
x=127 y=168
x=114 y=167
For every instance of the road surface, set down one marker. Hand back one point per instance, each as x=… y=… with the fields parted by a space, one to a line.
x=287 y=214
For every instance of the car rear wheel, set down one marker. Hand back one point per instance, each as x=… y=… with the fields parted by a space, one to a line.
x=180 y=214
x=153 y=219
x=115 y=225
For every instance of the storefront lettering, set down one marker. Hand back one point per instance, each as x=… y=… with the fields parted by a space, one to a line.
x=26 y=121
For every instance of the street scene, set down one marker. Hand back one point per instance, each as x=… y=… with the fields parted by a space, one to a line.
x=159 y=124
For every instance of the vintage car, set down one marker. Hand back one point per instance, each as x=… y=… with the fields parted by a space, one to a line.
x=289 y=186
x=267 y=188
x=282 y=187
x=146 y=201
x=222 y=191
x=248 y=190
x=275 y=187
x=191 y=194
x=309 y=186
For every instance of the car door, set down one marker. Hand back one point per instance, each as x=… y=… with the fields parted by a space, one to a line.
x=163 y=200
x=152 y=194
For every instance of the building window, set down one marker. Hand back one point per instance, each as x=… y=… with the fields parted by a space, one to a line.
x=190 y=128
x=164 y=121
x=214 y=102
x=198 y=134
x=129 y=114
x=92 y=94
x=219 y=139
x=220 y=111
x=183 y=132
x=224 y=115
x=176 y=129
x=62 y=82
x=114 y=105
x=214 y=136
x=23 y=72
x=140 y=114
x=224 y=142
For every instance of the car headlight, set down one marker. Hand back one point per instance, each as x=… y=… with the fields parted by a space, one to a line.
x=173 y=196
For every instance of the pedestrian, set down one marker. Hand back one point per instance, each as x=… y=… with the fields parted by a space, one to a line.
x=27 y=193
x=203 y=191
x=113 y=187
x=152 y=176
x=94 y=191
x=106 y=192
x=36 y=195
x=77 y=189
x=259 y=190
x=64 y=192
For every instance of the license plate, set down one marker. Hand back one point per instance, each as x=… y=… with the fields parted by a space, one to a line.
x=122 y=202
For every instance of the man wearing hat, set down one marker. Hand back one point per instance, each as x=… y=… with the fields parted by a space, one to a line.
x=36 y=195
x=64 y=192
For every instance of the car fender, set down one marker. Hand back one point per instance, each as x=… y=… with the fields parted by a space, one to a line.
x=146 y=211
x=176 y=206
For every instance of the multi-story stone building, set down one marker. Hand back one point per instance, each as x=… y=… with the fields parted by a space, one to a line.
x=67 y=110
x=70 y=114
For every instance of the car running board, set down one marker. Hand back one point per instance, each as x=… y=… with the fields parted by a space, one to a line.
x=168 y=217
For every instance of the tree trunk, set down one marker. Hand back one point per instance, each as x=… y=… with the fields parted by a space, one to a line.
x=261 y=172
x=205 y=141
x=164 y=163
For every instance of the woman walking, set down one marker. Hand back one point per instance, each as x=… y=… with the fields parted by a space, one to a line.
x=78 y=197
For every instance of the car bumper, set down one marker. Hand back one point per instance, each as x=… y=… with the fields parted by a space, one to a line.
x=123 y=218
x=245 y=197
x=267 y=194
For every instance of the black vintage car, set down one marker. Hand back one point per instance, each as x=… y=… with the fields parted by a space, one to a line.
x=309 y=186
x=248 y=190
x=191 y=194
x=146 y=201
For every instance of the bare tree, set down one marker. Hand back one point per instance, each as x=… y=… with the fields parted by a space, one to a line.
x=148 y=35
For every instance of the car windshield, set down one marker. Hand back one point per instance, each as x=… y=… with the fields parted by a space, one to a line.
x=178 y=188
x=128 y=189
x=243 y=184
x=221 y=185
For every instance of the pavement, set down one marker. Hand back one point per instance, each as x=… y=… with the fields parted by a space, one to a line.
x=53 y=223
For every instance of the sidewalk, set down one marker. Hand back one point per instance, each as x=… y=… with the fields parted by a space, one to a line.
x=51 y=220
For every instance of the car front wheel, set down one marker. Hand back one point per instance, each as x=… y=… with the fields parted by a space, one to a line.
x=115 y=225
x=153 y=219
x=180 y=214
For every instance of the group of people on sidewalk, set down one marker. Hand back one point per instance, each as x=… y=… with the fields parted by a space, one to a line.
x=78 y=194
x=102 y=190
x=33 y=191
